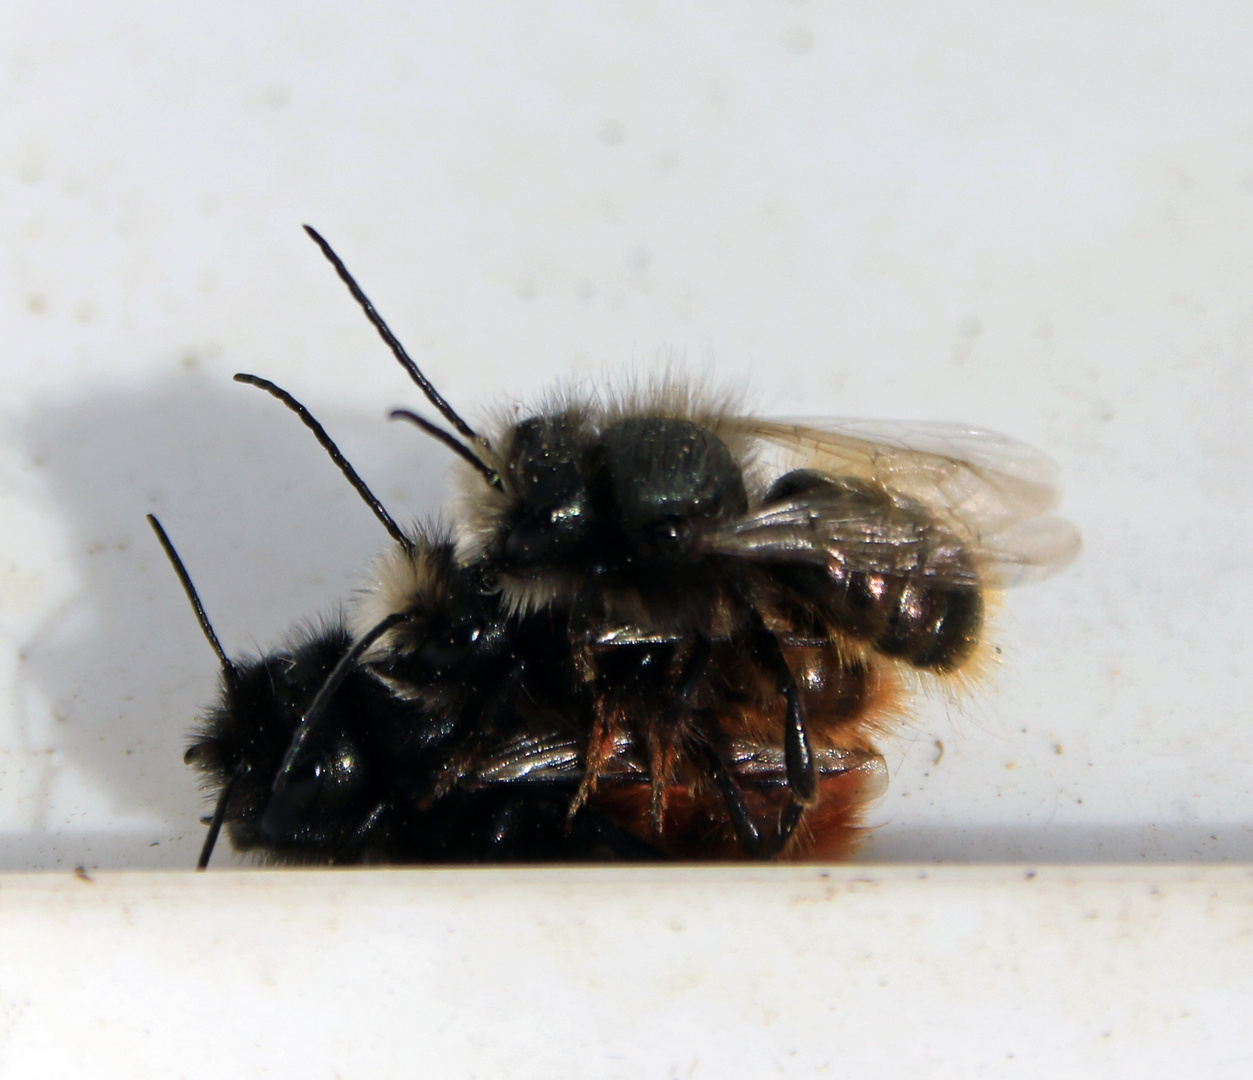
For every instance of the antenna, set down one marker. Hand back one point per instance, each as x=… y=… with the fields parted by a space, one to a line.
x=219 y=815
x=328 y=444
x=228 y=669
x=450 y=441
x=398 y=350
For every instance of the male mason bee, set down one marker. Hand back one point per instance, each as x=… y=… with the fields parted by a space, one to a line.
x=698 y=560
x=314 y=760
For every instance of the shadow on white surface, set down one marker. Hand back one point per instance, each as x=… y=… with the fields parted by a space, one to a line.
x=113 y=679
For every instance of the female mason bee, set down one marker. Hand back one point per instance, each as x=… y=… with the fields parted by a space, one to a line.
x=691 y=555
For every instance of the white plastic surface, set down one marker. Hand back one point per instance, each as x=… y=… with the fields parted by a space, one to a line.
x=851 y=972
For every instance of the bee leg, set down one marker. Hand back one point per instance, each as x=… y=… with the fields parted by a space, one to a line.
x=600 y=739
x=802 y=773
x=692 y=671
x=600 y=747
x=747 y=830
x=658 y=761
x=504 y=825
x=798 y=756
x=664 y=735
x=789 y=817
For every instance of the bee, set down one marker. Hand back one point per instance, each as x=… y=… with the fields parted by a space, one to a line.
x=314 y=760
x=712 y=569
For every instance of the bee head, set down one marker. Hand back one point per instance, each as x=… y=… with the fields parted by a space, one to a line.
x=340 y=775
x=552 y=520
x=453 y=633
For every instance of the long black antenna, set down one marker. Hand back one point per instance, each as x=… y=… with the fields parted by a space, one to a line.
x=228 y=669
x=398 y=350
x=451 y=441
x=322 y=699
x=328 y=444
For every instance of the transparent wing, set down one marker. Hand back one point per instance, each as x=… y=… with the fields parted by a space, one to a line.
x=546 y=758
x=556 y=759
x=967 y=503
x=766 y=766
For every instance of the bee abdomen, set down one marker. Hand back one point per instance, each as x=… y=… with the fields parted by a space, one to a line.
x=931 y=626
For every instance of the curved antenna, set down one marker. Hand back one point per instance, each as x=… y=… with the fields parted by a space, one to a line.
x=449 y=440
x=228 y=669
x=398 y=350
x=322 y=699
x=219 y=816
x=328 y=444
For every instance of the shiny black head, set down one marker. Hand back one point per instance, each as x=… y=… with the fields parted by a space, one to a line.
x=452 y=636
x=370 y=751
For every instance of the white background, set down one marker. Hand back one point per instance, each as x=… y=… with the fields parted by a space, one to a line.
x=1036 y=218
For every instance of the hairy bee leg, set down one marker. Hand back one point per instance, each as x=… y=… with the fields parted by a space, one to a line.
x=656 y=768
x=747 y=830
x=600 y=737
x=600 y=745
x=690 y=673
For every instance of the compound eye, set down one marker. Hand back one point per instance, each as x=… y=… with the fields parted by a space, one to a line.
x=544 y=460
x=451 y=647
x=287 y=812
x=317 y=789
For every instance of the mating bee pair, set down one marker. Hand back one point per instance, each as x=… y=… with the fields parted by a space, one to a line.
x=659 y=629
